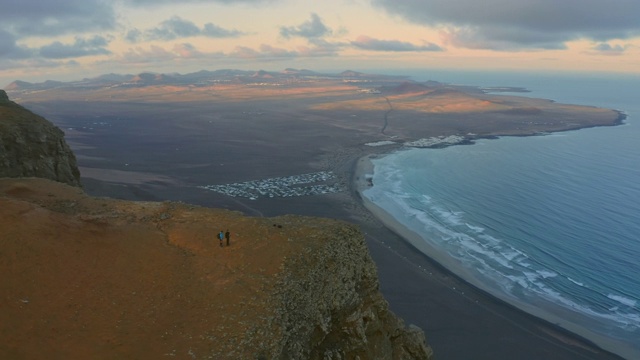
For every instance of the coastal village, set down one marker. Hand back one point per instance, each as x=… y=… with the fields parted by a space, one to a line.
x=297 y=185
x=317 y=183
x=431 y=142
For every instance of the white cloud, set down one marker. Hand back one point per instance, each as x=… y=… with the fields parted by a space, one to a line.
x=310 y=29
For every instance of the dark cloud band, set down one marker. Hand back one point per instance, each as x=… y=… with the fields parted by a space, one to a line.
x=52 y=18
x=81 y=47
x=520 y=24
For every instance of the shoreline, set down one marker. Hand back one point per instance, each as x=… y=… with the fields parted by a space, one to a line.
x=362 y=171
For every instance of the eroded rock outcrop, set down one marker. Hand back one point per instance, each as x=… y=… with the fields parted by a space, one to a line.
x=91 y=277
x=331 y=307
x=31 y=146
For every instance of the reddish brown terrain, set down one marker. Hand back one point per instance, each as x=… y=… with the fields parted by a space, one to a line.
x=103 y=277
x=96 y=278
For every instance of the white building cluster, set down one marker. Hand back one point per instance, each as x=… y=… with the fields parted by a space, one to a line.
x=280 y=187
x=436 y=141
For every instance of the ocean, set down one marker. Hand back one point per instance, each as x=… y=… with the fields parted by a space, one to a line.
x=549 y=222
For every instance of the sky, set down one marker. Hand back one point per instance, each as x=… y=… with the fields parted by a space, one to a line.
x=73 y=39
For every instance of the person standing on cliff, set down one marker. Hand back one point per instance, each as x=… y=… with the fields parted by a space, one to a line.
x=227 y=235
x=220 y=237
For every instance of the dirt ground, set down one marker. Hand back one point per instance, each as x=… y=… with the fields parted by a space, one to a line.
x=100 y=278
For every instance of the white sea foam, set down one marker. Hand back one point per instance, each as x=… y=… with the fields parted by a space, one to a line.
x=471 y=244
x=531 y=277
x=575 y=281
x=511 y=254
x=381 y=143
x=483 y=256
x=476 y=229
x=623 y=300
x=520 y=280
x=531 y=282
x=524 y=264
x=546 y=274
x=490 y=239
x=448 y=216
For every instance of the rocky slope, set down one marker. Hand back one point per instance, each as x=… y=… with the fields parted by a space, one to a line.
x=91 y=277
x=32 y=146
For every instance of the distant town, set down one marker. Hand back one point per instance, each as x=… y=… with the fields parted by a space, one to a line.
x=280 y=187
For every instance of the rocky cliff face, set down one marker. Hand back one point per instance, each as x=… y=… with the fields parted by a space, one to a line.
x=327 y=304
x=330 y=306
x=91 y=277
x=30 y=146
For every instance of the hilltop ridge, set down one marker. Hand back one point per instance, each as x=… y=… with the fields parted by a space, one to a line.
x=199 y=78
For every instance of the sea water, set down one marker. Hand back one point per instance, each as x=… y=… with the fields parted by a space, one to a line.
x=551 y=221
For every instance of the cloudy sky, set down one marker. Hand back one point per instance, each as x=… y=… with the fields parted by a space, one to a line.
x=72 y=39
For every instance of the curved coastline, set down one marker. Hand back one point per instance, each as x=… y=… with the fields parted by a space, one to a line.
x=362 y=172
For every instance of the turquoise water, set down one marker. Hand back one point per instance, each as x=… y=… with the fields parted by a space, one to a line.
x=551 y=221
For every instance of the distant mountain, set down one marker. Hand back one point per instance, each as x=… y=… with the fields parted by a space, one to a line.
x=114 y=78
x=153 y=79
x=23 y=85
x=19 y=85
x=52 y=83
x=351 y=73
x=263 y=75
x=305 y=72
x=199 y=78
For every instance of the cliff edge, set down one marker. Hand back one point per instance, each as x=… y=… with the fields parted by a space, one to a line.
x=92 y=277
x=32 y=146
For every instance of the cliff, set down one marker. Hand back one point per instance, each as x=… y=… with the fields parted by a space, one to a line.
x=329 y=306
x=32 y=146
x=91 y=277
